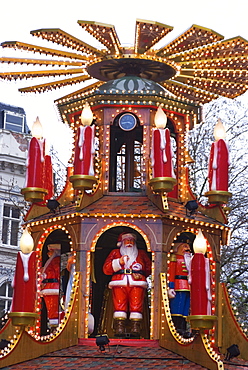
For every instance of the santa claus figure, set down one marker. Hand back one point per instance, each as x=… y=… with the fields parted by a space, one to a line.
x=129 y=267
x=51 y=283
x=179 y=289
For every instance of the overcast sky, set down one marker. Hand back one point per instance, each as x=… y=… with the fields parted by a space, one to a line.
x=19 y=17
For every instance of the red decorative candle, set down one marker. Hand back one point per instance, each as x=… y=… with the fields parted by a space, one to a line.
x=35 y=164
x=35 y=161
x=162 y=164
x=219 y=161
x=48 y=179
x=24 y=283
x=200 y=279
x=84 y=151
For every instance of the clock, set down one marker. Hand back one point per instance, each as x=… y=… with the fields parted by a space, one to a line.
x=127 y=122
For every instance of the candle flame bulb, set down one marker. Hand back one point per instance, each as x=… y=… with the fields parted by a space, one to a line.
x=200 y=245
x=37 y=130
x=219 y=130
x=160 y=118
x=26 y=242
x=87 y=115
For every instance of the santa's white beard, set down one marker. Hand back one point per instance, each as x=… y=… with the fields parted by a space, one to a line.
x=187 y=259
x=131 y=252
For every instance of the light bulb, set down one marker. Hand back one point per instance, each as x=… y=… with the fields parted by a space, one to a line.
x=200 y=245
x=219 y=130
x=26 y=242
x=160 y=118
x=87 y=115
x=37 y=130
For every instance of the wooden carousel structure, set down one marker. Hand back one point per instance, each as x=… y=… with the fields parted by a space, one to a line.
x=128 y=173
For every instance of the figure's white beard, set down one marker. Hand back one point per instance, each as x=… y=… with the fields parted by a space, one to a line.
x=131 y=252
x=187 y=259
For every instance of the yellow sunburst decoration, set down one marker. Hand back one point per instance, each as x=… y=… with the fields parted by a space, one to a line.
x=199 y=65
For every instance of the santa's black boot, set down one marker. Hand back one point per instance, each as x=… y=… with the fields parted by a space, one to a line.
x=119 y=327
x=179 y=324
x=182 y=327
x=176 y=322
x=186 y=331
x=135 y=328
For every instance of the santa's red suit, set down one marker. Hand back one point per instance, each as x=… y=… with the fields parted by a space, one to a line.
x=128 y=284
x=50 y=285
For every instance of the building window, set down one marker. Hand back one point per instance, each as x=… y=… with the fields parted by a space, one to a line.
x=14 y=121
x=10 y=226
x=6 y=293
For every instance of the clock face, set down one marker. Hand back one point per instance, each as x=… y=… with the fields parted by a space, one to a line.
x=127 y=122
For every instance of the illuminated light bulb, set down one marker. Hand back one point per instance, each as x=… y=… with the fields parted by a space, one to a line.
x=160 y=118
x=219 y=130
x=26 y=242
x=200 y=245
x=37 y=130
x=87 y=115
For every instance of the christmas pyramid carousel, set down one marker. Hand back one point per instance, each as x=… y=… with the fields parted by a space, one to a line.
x=126 y=252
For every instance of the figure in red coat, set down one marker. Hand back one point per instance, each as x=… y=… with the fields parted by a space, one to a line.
x=179 y=289
x=51 y=283
x=129 y=267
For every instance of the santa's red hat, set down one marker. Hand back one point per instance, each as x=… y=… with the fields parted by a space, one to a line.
x=123 y=236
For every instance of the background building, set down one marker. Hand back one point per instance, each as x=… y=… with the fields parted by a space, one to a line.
x=13 y=152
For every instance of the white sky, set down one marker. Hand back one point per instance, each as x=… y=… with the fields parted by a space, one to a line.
x=19 y=17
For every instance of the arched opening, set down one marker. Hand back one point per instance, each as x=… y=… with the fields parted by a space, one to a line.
x=126 y=140
x=101 y=295
x=54 y=279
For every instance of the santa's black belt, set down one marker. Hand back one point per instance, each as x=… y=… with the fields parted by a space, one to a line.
x=50 y=281
x=129 y=272
x=181 y=277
